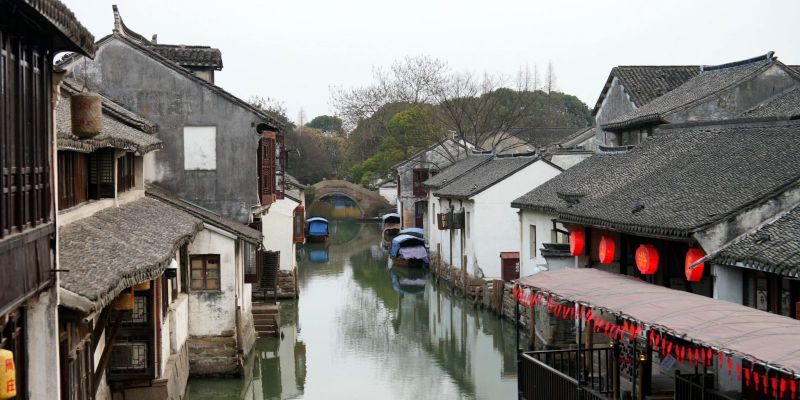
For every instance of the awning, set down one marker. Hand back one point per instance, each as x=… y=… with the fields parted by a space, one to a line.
x=724 y=326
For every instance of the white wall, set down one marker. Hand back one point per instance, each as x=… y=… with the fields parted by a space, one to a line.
x=212 y=312
x=543 y=222
x=389 y=193
x=495 y=225
x=276 y=225
x=179 y=322
x=728 y=283
x=41 y=338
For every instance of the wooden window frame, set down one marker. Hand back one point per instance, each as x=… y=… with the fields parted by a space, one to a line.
x=126 y=172
x=418 y=176
x=133 y=332
x=73 y=179
x=205 y=258
x=101 y=174
x=532 y=240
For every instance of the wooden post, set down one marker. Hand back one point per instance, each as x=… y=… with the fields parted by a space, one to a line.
x=103 y=363
x=589 y=360
x=647 y=369
x=615 y=371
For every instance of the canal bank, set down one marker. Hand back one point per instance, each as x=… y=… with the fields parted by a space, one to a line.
x=362 y=330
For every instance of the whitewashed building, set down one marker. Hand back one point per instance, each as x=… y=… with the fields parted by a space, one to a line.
x=491 y=226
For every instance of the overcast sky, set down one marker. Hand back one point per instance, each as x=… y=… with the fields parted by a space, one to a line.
x=295 y=50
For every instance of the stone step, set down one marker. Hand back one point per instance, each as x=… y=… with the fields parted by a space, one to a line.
x=265 y=318
x=267 y=327
x=260 y=310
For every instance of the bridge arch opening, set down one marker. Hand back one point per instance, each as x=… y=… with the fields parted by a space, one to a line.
x=336 y=205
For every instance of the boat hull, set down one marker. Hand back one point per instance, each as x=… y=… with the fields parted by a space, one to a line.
x=317 y=239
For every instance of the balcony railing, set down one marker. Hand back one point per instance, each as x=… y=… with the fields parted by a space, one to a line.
x=691 y=387
x=566 y=374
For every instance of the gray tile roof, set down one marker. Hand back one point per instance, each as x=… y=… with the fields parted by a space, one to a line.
x=62 y=18
x=711 y=80
x=207 y=216
x=190 y=56
x=122 y=129
x=681 y=180
x=457 y=170
x=774 y=247
x=577 y=138
x=543 y=137
x=484 y=176
x=786 y=105
x=121 y=246
x=645 y=83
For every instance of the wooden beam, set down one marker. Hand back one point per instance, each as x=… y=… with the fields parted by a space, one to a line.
x=102 y=321
x=101 y=367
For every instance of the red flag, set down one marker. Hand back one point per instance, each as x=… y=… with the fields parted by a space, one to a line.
x=755 y=379
x=783 y=386
x=637 y=331
x=738 y=371
x=747 y=377
x=709 y=356
x=669 y=347
x=698 y=354
x=680 y=353
x=730 y=365
x=720 y=358
x=650 y=338
x=792 y=388
x=774 y=382
x=690 y=355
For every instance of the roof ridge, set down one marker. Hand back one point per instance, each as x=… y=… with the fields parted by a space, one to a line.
x=769 y=56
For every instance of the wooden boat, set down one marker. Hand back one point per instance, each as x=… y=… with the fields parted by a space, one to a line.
x=317 y=229
x=408 y=251
x=390 y=227
x=416 y=232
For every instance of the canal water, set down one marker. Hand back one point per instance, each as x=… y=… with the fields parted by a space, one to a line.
x=364 y=330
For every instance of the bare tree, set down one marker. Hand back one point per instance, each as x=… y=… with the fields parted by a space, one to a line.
x=550 y=78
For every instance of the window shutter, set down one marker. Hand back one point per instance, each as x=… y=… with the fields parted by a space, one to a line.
x=266 y=168
x=101 y=174
x=299 y=224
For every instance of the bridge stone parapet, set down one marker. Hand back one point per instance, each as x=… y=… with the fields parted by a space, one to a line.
x=369 y=201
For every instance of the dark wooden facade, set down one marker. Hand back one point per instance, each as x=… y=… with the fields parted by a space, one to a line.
x=26 y=223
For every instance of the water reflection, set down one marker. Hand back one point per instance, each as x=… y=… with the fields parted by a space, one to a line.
x=363 y=330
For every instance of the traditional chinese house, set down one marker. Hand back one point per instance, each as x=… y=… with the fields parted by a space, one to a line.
x=643 y=227
x=31 y=33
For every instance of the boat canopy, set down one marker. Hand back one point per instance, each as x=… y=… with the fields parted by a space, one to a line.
x=317 y=226
x=390 y=218
x=418 y=232
x=404 y=241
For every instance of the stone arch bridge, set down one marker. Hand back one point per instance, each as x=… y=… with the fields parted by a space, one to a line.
x=370 y=202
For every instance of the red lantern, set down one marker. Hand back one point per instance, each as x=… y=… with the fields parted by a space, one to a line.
x=696 y=273
x=647 y=259
x=607 y=250
x=576 y=242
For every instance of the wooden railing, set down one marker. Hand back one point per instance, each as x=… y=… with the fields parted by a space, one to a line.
x=560 y=375
x=690 y=387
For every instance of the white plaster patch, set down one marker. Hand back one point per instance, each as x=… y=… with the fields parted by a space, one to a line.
x=200 y=147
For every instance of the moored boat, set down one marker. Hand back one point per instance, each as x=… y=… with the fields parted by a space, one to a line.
x=408 y=251
x=390 y=227
x=317 y=229
x=416 y=232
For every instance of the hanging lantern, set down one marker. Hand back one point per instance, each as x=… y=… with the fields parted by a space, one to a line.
x=124 y=302
x=8 y=375
x=87 y=114
x=647 y=259
x=144 y=286
x=607 y=249
x=576 y=242
x=696 y=273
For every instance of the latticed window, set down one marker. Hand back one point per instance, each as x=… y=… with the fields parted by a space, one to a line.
x=266 y=168
x=205 y=272
x=101 y=174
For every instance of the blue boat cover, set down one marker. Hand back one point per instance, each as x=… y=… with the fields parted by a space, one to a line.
x=418 y=232
x=317 y=226
x=402 y=241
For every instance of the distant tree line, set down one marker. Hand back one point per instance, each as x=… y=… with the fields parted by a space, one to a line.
x=417 y=102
